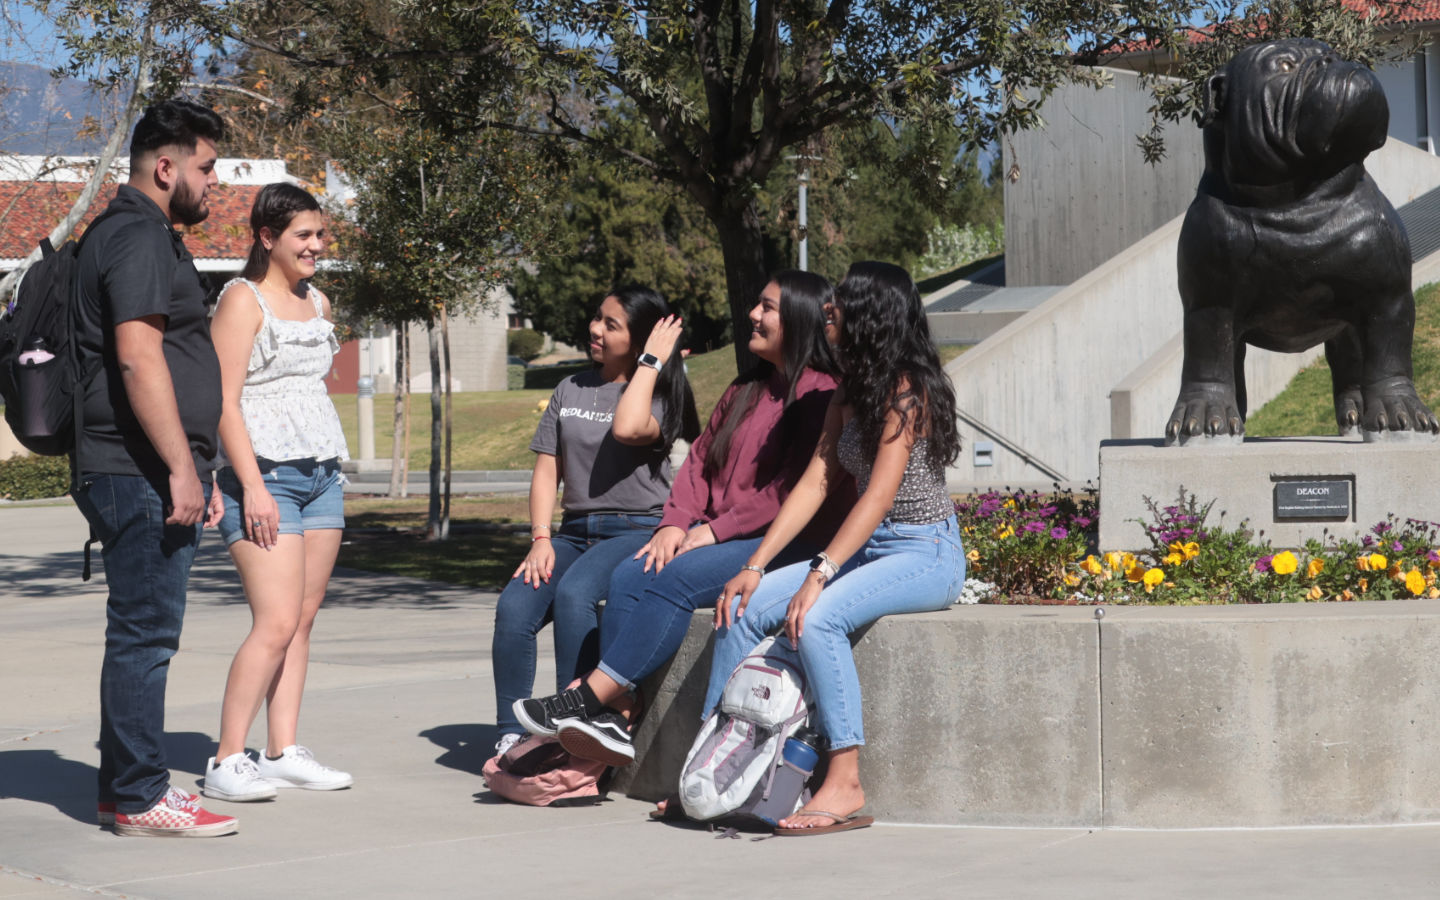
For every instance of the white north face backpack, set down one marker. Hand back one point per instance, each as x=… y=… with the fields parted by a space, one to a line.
x=732 y=764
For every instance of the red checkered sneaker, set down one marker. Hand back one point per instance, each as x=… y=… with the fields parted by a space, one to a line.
x=178 y=814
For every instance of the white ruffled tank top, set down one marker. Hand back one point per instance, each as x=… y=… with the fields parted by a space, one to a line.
x=286 y=406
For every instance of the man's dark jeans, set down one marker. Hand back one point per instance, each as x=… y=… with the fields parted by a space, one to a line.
x=147 y=564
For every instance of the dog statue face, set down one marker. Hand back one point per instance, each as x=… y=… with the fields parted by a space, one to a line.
x=1289 y=244
x=1291 y=108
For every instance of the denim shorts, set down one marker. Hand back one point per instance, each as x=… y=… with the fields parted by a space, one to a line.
x=309 y=493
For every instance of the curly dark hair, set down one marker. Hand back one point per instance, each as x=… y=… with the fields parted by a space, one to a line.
x=884 y=340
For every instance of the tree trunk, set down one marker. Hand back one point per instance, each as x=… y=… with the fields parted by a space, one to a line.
x=449 y=424
x=437 y=423
x=743 y=243
x=398 y=428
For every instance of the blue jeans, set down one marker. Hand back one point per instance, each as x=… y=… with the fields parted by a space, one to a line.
x=147 y=565
x=901 y=569
x=587 y=549
x=648 y=613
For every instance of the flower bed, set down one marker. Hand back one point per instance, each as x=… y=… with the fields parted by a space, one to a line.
x=1025 y=547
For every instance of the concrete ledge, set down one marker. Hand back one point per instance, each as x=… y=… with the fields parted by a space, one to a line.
x=1149 y=718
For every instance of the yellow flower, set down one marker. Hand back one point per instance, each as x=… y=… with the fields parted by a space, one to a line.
x=1433 y=593
x=1394 y=572
x=1153 y=578
x=1071 y=580
x=1378 y=563
x=1174 y=559
x=1284 y=563
x=1346 y=595
x=1092 y=565
x=1364 y=585
x=973 y=556
x=1363 y=563
x=1113 y=561
x=1003 y=532
x=1128 y=561
x=1316 y=566
x=540 y=407
x=1415 y=582
x=1009 y=503
x=1135 y=574
x=1315 y=593
x=1191 y=550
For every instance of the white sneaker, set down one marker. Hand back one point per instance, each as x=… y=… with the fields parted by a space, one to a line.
x=506 y=742
x=236 y=779
x=298 y=768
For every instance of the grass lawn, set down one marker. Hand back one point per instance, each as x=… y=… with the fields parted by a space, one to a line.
x=384 y=535
x=1306 y=407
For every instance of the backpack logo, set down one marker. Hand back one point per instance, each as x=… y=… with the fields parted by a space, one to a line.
x=761 y=691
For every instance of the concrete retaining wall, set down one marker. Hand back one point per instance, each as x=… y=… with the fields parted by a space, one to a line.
x=1151 y=717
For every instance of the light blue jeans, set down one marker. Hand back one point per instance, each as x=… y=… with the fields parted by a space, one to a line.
x=901 y=569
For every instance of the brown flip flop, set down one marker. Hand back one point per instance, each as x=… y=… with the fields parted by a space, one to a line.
x=674 y=810
x=842 y=823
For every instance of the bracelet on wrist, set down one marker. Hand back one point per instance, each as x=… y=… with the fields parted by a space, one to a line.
x=539 y=537
x=759 y=570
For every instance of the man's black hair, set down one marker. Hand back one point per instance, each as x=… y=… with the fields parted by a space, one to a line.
x=174 y=123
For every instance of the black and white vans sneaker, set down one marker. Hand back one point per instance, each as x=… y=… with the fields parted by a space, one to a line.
x=604 y=737
x=539 y=714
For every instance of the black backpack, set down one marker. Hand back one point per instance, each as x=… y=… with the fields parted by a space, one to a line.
x=41 y=376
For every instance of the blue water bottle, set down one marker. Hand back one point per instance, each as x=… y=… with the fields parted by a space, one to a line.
x=797 y=764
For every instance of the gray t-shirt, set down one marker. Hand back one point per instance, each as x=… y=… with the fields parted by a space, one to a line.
x=600 y=474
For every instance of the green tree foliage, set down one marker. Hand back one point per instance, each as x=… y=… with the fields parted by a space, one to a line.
x=617 y=223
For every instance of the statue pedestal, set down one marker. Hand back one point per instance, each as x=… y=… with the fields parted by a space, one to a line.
x=1293 y=489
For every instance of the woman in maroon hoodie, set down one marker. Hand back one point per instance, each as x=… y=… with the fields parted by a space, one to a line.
x=759 y=440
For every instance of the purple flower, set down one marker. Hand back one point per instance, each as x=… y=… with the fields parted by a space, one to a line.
x=1046 y=511
x=1080 y=522
x=1263 y=563
x=1397 y=547
x=1433 y=556
x=1059 y=533
x=1381 y=528
x=1033 y=527
x=1366 y=540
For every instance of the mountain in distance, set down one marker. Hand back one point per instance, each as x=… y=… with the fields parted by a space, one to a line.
x=44 y=115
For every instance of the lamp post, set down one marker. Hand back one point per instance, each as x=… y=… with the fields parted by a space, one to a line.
x=803 y=216
x=365 y=415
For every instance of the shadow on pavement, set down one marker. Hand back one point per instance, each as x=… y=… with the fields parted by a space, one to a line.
x=213 y=581
x=466 y=746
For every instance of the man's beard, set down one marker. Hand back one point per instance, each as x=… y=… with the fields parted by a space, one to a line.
x=186 y=207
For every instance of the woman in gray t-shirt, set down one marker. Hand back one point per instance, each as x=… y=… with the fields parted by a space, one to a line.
x=606 y=435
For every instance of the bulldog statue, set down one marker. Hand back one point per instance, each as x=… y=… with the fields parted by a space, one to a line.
x=1289 y=244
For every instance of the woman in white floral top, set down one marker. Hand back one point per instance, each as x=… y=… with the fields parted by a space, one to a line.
x=280 y=475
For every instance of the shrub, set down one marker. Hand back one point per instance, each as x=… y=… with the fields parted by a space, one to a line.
x=1022 y=544
x=34 y=477
x=526 y=343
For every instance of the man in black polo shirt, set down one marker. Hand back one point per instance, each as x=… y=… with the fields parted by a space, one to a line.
x=145 y=452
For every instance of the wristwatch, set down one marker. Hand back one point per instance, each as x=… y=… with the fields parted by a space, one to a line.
x=825 y=566
x=651 y=360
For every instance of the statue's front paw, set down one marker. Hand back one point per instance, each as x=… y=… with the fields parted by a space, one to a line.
x=1210 y=412
x=1349 y=408
x=1393 y=405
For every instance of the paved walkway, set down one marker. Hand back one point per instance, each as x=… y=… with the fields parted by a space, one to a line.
x=400 y=695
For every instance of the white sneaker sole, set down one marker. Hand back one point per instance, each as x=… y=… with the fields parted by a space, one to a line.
x=283 y=784
x=585 y=744
x=217 y=829
x=264 y=792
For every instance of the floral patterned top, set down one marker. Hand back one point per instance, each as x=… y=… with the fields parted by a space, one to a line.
x=287 y=409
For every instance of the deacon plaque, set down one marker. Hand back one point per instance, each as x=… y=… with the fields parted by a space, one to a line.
x=1313 y=499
